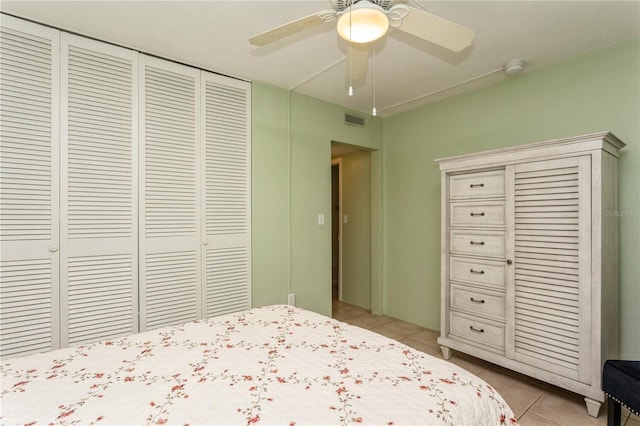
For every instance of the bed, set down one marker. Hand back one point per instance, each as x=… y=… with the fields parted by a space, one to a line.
x=271 y=365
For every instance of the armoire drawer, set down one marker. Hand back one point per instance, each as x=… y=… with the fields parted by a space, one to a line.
x=482 y=272
x=477 y=185
x=477 y=330
x=477 y=302
x=477 y=243
x=477 y=214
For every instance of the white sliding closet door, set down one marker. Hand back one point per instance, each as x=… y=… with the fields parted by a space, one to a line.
x=99 y=284
x=226 y=133
x=29 y=233
x=170 y=254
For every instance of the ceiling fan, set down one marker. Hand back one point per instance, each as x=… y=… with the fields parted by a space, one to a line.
x=361 y=22
x=364 y=21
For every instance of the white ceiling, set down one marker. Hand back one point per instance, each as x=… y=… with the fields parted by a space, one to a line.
x=213 y=35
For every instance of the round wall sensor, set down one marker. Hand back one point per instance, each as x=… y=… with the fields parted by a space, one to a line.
x=514 y=67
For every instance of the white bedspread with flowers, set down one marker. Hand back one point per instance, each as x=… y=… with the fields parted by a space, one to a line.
x=276 y=365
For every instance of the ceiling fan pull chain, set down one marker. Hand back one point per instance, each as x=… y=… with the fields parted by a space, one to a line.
x=350 y=59
x=374 y=112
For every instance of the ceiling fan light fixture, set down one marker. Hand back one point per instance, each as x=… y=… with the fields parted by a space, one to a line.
x=363 y=22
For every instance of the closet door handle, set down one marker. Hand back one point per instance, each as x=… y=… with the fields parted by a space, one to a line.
x=477 y=330
x=53 y=248
x=476 y=185
x=473 y=271
x=477 y=301
x=477 y=243
x=477 y=214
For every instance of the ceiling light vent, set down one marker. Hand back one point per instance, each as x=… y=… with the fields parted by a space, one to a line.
x=353 y=119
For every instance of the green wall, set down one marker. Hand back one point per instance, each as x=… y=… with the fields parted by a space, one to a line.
x=269 y=195
x=291 y=177
x=598 y=91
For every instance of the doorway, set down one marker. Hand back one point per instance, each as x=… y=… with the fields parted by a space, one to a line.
x=351 y=225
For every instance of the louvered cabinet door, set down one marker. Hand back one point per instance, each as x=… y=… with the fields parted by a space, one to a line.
x=552 y=266
x=29 y=233
x=226 y=134
x=170 y=287
x=99 y=191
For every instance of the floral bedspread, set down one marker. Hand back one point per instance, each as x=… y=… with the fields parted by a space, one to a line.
x=273 y=365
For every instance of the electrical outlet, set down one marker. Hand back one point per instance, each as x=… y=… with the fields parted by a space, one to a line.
x=291 y=299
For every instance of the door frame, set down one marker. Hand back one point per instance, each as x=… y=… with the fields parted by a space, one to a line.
x=338 y=162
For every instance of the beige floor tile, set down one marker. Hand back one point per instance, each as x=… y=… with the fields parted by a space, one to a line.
x=518 y=376
x=370 y=321
x=343 y=311
x=426 y=335
x=633 y=420
x=566 y=408
x=342 y=316
x=531 y=419
x=424 y=340
x=469 y=363
x=515 y=391
x=397 y=329
x=518 y=411
x=427 y=346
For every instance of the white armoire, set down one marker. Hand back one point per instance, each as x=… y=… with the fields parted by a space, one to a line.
x=124 y=191
x=530 y=259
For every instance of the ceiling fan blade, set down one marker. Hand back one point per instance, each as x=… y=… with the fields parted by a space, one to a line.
x=358 y=60
x=292 y=27
x=437 y=30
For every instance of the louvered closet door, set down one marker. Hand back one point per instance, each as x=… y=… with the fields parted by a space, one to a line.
x=226 y=133
x=99 y=191
x=170 y=212
x=552 y=274
x=29 y=233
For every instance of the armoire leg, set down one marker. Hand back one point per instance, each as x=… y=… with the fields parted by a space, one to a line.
x=446 y=352
x=593 y=407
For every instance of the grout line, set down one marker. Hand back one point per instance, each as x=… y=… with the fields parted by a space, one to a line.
x=533 y=403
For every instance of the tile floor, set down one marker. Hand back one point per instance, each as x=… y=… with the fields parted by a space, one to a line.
x=534 y=402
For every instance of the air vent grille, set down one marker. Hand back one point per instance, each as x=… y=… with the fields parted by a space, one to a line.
x=353 y=119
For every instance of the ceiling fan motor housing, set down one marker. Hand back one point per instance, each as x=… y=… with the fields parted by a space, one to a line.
x=342 y=5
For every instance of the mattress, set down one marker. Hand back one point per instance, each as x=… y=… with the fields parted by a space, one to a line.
x=274 y=365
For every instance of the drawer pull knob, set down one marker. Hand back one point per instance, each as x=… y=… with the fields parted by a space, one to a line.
x=473 y=271
x=477 y=214
x=477 y=330
x=477 y=301
x=477 y=243
x=476 y=185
